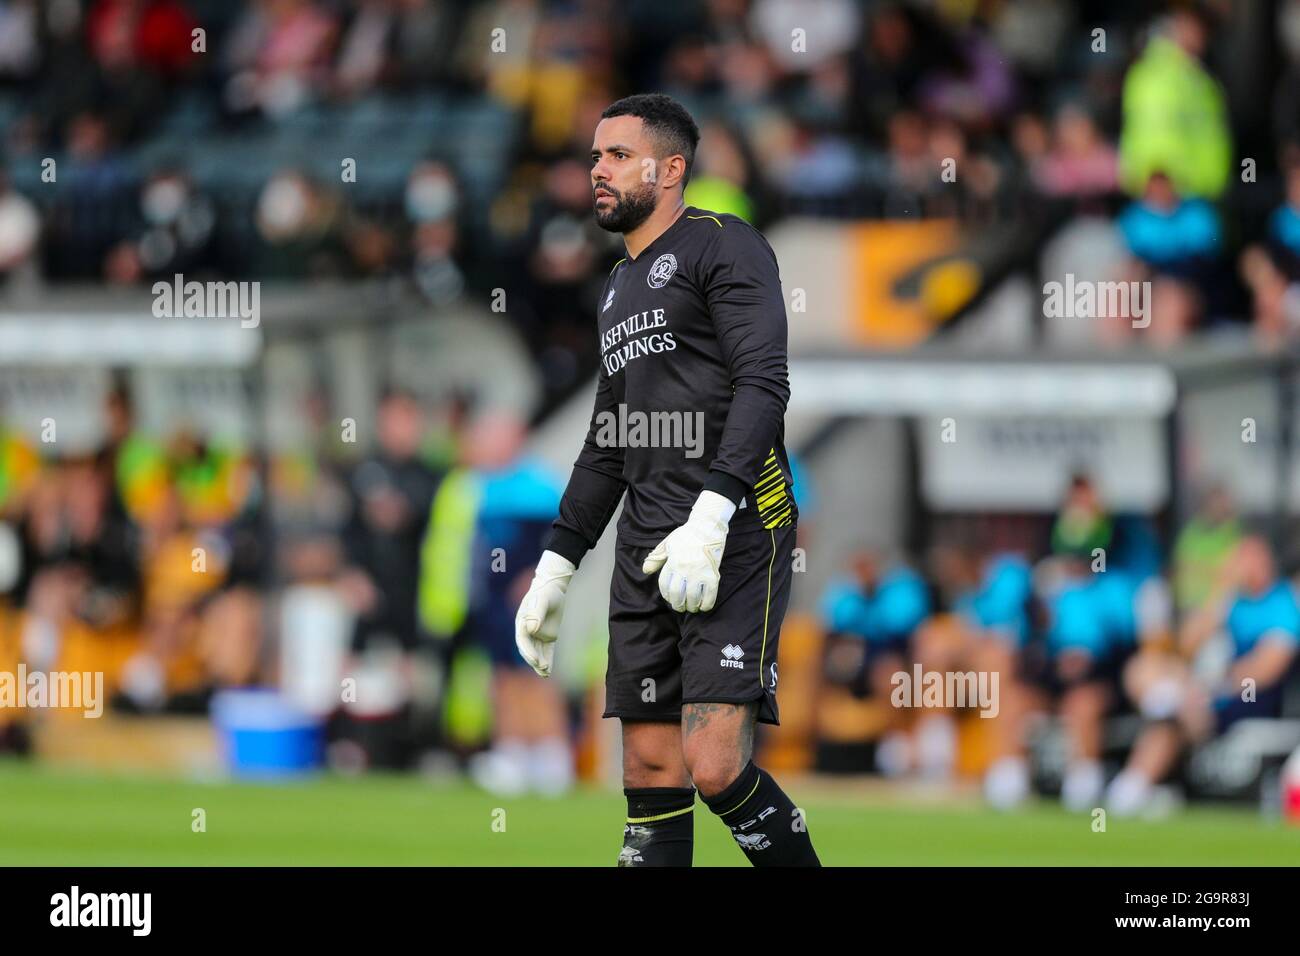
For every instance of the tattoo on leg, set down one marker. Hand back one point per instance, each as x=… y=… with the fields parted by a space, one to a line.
x=696 y=717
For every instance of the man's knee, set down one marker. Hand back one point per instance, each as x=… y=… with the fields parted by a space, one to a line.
x=652 y=756
x=713 y=773
x=717 y=742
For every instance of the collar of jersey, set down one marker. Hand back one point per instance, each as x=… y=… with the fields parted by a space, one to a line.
x=662 y=236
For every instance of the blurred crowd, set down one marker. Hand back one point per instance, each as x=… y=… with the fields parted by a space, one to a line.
x=179 y=568
x=1093 y=622
x=147 y=137
x=438 y=146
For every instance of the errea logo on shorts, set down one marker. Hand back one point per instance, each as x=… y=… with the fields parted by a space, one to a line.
x=662 y=271
x=731 y=657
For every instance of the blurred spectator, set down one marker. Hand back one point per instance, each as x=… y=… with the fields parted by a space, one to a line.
x=139 y=47
x=553 y=287
x=1271 y=269
x=985 y=627
x=722 y=175
x=391 y=492
x=278 y=56
x=1203 y=547
x=1100 y=609
x=976 y=87
x=1258 y=611
x=1082 y=613
x=20 y=48
x=301 y=229
x=869 y=616
x=432 y=202
x=1175 y=243
x=1169 y=233
x=1083 y=525
x=503 y=504
x=1080 y=163
x=20 y=233
x=176 y=232
x=1175 y=116
x=829 y=28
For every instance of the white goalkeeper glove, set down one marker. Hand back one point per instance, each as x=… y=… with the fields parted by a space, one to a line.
x=537 y=623
x=691 y=557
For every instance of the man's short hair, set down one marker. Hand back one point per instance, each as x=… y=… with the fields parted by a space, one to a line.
x=667 y=121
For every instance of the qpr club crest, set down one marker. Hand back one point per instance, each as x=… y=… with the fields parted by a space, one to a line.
x=662 y=271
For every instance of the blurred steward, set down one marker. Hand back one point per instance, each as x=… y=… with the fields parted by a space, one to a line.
x=485 y=533
x=1203 y=547
x=1175 y=115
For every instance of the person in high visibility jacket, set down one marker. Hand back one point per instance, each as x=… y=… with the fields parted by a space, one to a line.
x=486 y=529
x=1175 y=115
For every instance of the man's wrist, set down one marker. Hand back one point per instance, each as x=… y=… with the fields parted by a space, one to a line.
x=552 y=564
x=568 y=544
x=728 y=486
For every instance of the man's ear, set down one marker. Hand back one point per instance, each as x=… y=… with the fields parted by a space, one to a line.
x=673 y=169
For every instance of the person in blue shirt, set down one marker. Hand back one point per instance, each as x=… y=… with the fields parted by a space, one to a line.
x=1257 y=612
x=1082 y=610
x=1176 y=244
x=999 y=607
x=989 y=597
x=870 y=615
x=875 y=608
x=1270 y=267
x=1170 y=234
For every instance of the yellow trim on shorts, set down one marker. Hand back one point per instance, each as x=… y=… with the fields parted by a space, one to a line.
x=767 y=607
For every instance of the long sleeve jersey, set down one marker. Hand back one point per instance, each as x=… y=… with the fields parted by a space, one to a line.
x=692 y=389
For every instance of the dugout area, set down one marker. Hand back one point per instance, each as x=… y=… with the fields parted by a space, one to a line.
x=939 y=442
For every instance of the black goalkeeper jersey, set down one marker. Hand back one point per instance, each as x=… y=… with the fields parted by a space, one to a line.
x=692 y=389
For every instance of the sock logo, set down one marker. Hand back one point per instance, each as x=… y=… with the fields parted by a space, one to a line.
x=752 y=841
x=629 y=855
x=731 y=657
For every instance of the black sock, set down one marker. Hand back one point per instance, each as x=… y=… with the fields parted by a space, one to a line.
x=660 y=828
x=763 y=820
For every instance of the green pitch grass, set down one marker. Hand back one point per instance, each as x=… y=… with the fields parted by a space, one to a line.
x=58 y=818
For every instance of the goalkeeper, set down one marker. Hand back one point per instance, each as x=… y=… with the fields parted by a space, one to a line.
x=692 y=327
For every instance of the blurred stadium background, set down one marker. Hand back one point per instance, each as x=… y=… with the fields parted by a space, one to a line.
x=294 y=546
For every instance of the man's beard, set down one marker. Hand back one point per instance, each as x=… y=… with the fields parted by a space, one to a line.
x=629 y=211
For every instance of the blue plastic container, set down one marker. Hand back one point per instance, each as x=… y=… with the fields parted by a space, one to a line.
x=264 y=737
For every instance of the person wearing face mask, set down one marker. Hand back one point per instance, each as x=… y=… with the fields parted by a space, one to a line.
x=175 y=231
x=299 y=226
x=432 y=202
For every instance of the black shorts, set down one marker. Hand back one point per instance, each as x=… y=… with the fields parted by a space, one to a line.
x=660 y=659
